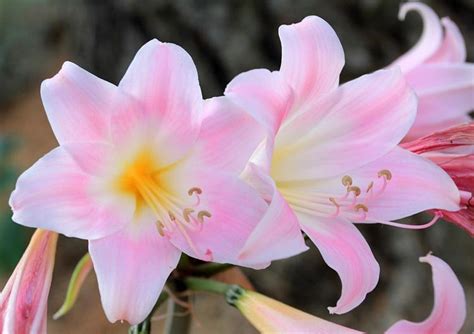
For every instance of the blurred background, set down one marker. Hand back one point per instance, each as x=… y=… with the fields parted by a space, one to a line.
x=224 y=38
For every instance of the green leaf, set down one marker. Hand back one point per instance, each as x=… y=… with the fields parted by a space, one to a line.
x=80 y=273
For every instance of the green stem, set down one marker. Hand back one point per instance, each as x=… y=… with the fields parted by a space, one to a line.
x=231 y=292
x=204 y=284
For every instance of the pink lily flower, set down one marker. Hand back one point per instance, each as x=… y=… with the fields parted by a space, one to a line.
x=332 y=158
x=449 y=310
x=24 y=300
x=134 y=175
x=453 y=150
x=436 y=69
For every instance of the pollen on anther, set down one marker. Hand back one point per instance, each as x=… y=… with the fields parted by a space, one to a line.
x=347 y=181
x=186 y=214
x=160 y=228
x=386 y=174
x=202 y=214
x=193 y=190
x=370 y=186
x=355 y=190
x=361 y=207
x=333 y=201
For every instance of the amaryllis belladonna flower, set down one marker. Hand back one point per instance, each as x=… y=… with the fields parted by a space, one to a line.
x=436 y=69
x=134 y=175
x=332 y=159
x=453 y=150
x=449 y=310
x=24 y=300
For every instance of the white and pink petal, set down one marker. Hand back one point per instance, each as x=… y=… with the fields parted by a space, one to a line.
x=449 y=310
x=312 y=59
x=132 y=267
x=345 y=250
x=164 y=79
x=357 y=128
x=429 y=42
x=56 y=194
x=78 y=104
x=278 y=234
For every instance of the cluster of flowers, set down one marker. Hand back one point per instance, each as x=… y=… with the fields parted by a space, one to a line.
x=147 y=170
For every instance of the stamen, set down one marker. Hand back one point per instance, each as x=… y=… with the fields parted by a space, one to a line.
x=160 y=228
x=346 y=181
x=338 y=207
x=172 y=216
x=363 y=216
x=193 y=190
x=385 y=173
x=197 y=191
x=370 y=186
x=362 y=207
x=354 y=189
x=202 y=214
x=186 y=214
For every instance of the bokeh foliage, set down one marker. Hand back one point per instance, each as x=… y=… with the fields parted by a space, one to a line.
x=13 y=237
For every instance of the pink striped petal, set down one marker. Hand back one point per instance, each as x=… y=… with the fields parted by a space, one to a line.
x=163 y=78
x=229 y=135
x=429 y=41
x=235 y=209
x=312 y=58
x=453 y=48
x=78 y=104
x=277 y=235
x=345 y=250
x=446 y=93
x=56 y=194
x=263 y=94
x=449 y=310
x=454 y=137
x=132 y=267
x=358 y=128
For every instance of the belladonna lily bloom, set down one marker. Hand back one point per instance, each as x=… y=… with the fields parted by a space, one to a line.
x=24 y=300
x=453 y=150
x=271 y=316
x=449 y=310
x=332 y=158
x=436 y=69
x=134 y=175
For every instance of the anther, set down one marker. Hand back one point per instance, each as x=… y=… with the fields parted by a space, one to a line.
x=202 y=214
x=160 y=228
x=338 y=209
x=172 y=216
x=354 y=189
x=370 y=186
x=361 y=207
x=347 y=181
x=333 y=201
x=186 y=214
x=193 y=190
x=385 y=173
